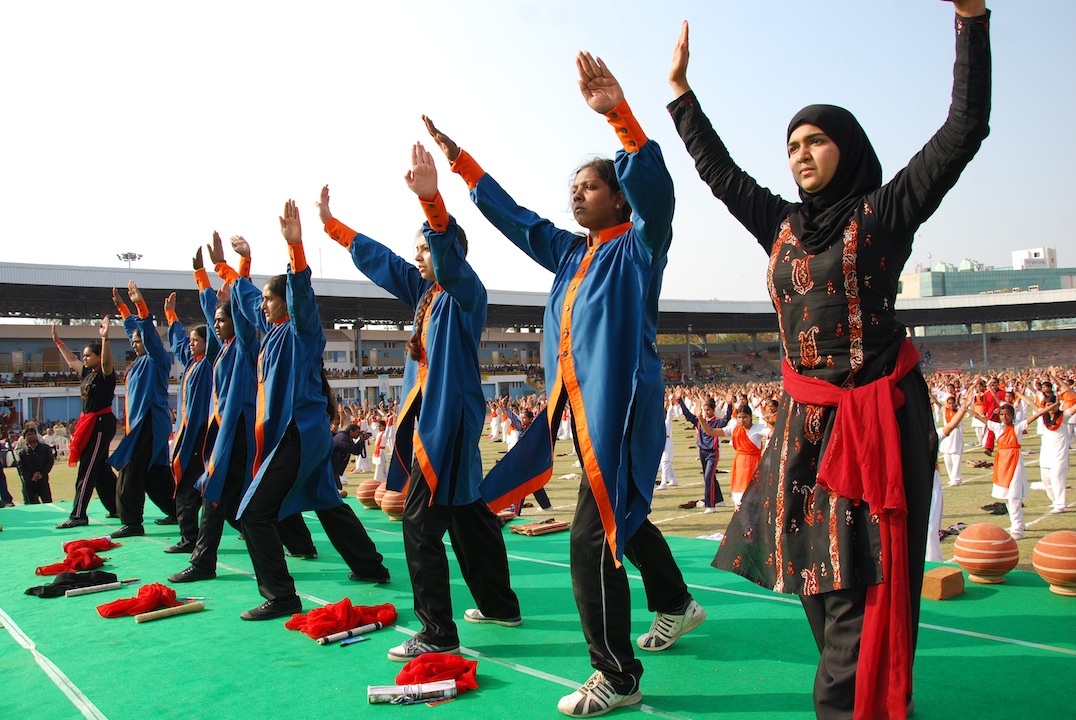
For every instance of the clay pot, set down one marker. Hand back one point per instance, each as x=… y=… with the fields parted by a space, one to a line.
x=365 y=493
x=1054 y=559
x=380 y=493
x=986 y=552
x=393 y=504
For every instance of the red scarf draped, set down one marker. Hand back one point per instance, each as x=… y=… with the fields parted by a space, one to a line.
x=81 y=436
x=863 y=462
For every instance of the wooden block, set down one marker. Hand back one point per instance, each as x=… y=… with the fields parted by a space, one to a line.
x=943 y=583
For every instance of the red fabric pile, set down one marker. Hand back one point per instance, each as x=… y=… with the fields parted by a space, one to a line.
x=150 y=597
x=340 y=616
x=96 y=544
x=81 y=558
x=431 y=667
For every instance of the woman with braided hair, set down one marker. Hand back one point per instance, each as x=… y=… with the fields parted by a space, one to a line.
x=435 y=456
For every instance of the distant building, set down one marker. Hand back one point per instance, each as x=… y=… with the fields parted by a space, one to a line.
x=1032 y=270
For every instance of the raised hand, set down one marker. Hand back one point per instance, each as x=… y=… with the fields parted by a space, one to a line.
x=241 y=246
x=198 y=264
x=449 y=148
x=224 y=294
x=102 y=329
x=290 y=226
x=170 y=303
x=55 y=336
x=600 y=89
x=216 y=249
x=678 y=67
x=134 y=293
x=323 y=205
x=422 y=177
x=119 y=301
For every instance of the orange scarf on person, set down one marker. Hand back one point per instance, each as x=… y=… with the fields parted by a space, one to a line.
x=1006 y=457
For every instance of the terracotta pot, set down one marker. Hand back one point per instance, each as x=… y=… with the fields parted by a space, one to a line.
x=365 y=493
x=380 y=493
x=1054 y=559
x=986 y=552
x=393 y=504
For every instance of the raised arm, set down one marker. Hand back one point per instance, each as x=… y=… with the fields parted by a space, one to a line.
x=302 y=305
x=755 y=207
x=377 y=262
x=450 y=265
x=914 y=193
x=69 y=357
x=106 y=347
x=154 y=346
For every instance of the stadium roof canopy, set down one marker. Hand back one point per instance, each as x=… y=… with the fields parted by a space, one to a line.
x=64 y=292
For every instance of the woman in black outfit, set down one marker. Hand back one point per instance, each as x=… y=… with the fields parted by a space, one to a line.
x=95 y=429
x=839 y=513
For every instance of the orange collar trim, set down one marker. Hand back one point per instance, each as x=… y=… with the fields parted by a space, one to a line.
x=283 y=320
x=611 y=233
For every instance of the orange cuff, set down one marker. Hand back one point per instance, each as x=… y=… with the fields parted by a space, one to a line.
x=244 y=267
x=298 y=257
x=143 y=310
x=627 y=127
x=122 y=309
x=225 y=272
x=436 y=214
x=171 y=317
x=201 y=279
x=340 y=232
x=466 y=167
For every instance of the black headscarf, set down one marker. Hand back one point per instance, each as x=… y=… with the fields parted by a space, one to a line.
x=823 y=216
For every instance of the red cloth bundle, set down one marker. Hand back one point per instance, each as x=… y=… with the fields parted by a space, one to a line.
x=431 y=667
x=97 y=544
x=340 y=616
x=78 y=559
x=150 y=597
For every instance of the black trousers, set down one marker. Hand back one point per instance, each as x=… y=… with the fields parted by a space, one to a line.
x=601 y=589
x=35 y=493
x=188 y=499
x=294 y=533
x=478 y=544
x=836 y=618
x=262 y=535
x=138 y=479
x=712 y=494
x=94 y=470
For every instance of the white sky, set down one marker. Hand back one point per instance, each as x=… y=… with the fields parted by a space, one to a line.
x=134 y=126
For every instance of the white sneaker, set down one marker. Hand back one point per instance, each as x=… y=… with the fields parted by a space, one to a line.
x=596 y=697
x=1057 y=511
x=707 y=511
x=661 y=485
x=666 y=628
x=1016 y=535
x=700 y=504
x=955 y=483
x=474 y=615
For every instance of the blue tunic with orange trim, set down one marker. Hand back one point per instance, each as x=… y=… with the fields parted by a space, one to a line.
x=195 y=387
x=289 y=390
x=235 y=383
x=600 y=326
x=444 y=390
x=146 y=401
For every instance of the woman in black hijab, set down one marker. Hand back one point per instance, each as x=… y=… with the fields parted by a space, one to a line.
x=838 y=512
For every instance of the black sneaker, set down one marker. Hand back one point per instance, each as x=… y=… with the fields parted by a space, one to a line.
x=181 y=548
x=274 y=609
x=311 y=554
x=72 y=523
x=376 y=579
x=170 y=520
x=413 y=647
x=128 y=531
x=192 y=574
